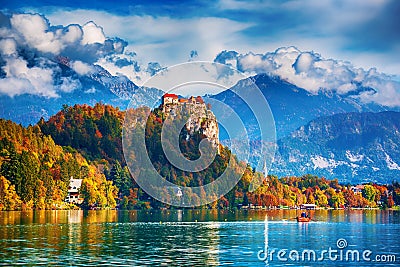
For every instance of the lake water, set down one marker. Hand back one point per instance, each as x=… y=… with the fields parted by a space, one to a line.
x=199 y=238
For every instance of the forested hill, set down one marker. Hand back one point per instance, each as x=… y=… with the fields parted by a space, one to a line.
x=100 y=126
x=85 y=142
x=35 y=172
x=94 y=131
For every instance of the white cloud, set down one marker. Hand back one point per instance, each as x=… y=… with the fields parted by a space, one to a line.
x=20 y=79
x=33 y=30
x=157 y=39
x=243 y=5
x=169 y=41
x=68 y=84
x=163 y=39
x=131 y=69
x=71 y=33
x=91 y=90
x=8 y=47
x=37 y=80
x=12 y=86
x=303 y=62
x=81 y=68
x=87 y=43
x=29 y=45
x=255 y=62
x=388 y=91
x=92 y=34
x=338 y=30
x=309 y=70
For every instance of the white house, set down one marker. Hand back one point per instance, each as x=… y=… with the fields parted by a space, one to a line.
x=73 y=191
x=308 y=206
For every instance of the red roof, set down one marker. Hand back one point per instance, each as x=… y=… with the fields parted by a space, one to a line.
x=170 y=95
x=199 y=99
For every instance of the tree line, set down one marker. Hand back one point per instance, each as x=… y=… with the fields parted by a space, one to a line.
x=84 y=142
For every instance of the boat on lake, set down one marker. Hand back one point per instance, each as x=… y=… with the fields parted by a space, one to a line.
x=304 y=217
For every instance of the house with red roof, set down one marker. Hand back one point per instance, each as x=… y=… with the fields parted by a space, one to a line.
x=170 y=99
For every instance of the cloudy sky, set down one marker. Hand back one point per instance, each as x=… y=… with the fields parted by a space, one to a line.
x=314 y=44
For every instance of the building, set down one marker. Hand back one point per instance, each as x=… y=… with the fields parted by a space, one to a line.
x=357 y=189
x=170 y=99
x=73 y=191
x=168 y=102
x=199 y=100
x=308 y=206
x=201 y=118
x=192 y=100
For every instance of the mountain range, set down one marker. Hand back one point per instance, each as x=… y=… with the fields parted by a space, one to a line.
x=354 y=147
x=97 y=86
x=290 y=105
x=328 y=134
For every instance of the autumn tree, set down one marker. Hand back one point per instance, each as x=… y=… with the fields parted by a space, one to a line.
x=369 y=193
x=9 y=200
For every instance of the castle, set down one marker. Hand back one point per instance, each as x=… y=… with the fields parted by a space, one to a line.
x=201 y=118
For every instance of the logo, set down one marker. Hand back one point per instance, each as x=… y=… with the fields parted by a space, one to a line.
x=340 y=253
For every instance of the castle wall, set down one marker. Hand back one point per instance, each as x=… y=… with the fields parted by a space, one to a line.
x=200 y=119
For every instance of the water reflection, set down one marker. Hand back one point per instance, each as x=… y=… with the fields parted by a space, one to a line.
x=111 y=216
x=173 y=237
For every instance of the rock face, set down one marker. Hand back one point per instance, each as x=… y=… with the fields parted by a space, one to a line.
x=200 y=117
x=353 y=147
x=291 y=106
x=325 y=134
x=125 y=89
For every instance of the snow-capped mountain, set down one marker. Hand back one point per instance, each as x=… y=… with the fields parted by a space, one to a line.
x=333 y=135
x=97 y=86
x=126 y=89
x=352 y=147
x=292 y=106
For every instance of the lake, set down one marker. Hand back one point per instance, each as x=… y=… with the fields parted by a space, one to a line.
x=199 y=238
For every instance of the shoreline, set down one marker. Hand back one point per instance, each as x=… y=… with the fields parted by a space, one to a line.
x=396 y=208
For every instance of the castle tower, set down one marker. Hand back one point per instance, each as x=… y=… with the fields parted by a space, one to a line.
x=201 y=117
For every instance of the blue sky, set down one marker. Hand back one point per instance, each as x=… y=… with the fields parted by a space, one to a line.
x=316 y=45
x=363 y=32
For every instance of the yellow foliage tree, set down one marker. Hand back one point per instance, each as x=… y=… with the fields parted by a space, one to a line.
x=9 y=200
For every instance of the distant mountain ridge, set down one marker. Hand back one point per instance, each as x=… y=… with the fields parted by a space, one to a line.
x=352 y=147
x=296 y=112
x=126 y=89
x=292 y=106
x=317 y=133
x=98 y=86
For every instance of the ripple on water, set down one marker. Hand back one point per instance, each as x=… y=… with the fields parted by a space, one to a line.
x=179 y=244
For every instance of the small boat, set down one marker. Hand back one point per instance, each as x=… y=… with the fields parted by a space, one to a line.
x=303 y=219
